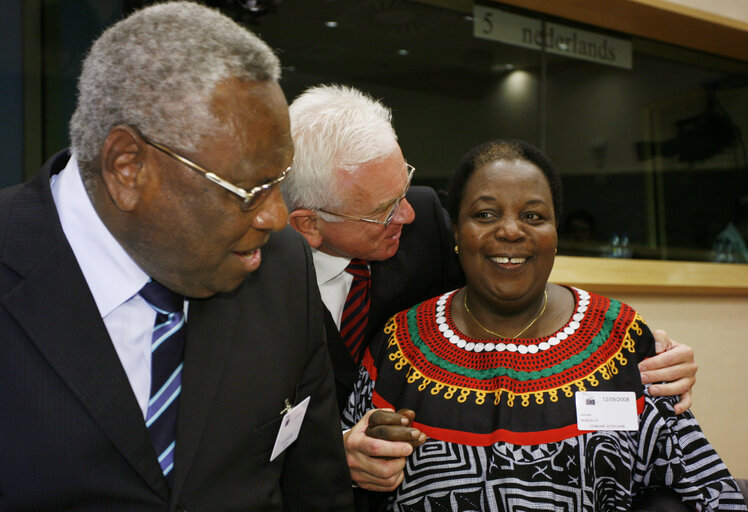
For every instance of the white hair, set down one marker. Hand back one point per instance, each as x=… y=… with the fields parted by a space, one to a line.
x=333 y=127
x=156 y=71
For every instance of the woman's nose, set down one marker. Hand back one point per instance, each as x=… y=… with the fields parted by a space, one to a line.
x=509 y=229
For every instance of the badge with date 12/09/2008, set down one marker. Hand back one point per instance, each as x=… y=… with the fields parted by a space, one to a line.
x=606 y=410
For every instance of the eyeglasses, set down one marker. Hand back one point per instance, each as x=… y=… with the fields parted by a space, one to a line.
x=390 y=214
x=250 y=198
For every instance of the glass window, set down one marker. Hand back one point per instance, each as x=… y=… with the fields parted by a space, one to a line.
x=652 y=157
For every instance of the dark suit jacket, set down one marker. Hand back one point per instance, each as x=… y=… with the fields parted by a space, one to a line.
x=425 y=265
x=72 y=436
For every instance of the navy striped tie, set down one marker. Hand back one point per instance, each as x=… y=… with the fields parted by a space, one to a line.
x=167 y=350
x=356 y=309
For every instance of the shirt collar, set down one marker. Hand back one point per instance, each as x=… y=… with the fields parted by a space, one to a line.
x=112 y=275
x=328 y=267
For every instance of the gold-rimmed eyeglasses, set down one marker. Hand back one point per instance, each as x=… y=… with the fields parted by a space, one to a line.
x=250 y=198
x=390 y=213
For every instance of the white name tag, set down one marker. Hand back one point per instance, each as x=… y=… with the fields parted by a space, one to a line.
x=606 y=410
x=290 y=426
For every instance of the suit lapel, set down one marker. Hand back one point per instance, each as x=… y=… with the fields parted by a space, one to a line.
x=345 y=367
x=386 y=278
x=211 y=328
x=54 y=306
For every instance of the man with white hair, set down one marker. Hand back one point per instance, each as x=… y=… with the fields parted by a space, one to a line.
x=161 y=351
x=374 y=235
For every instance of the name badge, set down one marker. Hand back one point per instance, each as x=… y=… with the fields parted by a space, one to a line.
x=606 y=410
x=290 y=426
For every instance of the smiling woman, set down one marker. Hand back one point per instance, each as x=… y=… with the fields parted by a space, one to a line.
x=512 y=420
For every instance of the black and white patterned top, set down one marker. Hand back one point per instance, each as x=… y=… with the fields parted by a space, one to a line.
x=502 y=424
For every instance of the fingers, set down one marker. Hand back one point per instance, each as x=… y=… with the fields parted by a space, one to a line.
x=673 y=369
x=662 y=341
x=377 y=463
x=397 y=433
x=388 y=417
x=410 y=415
x=684 y=404
x=675 y=388
x=394 y=426
x=366 y=481
x=670 y=374
x=686 y=397
x=678 y=354
x=365 y=446
x=377 y=470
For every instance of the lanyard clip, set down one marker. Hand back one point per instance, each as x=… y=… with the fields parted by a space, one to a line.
x=287 y=408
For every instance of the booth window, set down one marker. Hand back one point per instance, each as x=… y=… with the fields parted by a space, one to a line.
x=652 y=155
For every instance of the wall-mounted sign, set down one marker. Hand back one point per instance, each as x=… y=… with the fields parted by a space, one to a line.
x=514 y=29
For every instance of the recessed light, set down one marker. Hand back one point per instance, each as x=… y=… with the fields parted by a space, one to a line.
x=403 y=52
x=331 y=24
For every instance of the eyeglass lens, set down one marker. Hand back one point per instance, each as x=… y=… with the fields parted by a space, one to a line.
x=254 y=200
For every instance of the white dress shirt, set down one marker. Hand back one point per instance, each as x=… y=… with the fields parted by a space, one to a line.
x=333 y=281
x=112 y=276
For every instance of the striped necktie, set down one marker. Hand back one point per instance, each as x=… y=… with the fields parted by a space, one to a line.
x=167 y=349
x=356 y=308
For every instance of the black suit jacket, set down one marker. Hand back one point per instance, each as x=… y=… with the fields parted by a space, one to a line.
x=72 y=436
x=425 y=265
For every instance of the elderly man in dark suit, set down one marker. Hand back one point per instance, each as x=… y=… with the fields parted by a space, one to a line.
x=374 y=236
x=161 y=350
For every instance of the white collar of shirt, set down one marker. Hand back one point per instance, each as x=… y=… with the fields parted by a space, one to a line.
x=328 y=267
x=333 y=281
x=111 y=274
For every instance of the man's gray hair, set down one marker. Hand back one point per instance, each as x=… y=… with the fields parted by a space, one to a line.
x=156 y=70
x=333 y=127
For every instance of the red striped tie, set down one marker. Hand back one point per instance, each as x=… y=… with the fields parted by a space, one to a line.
x=356 y=309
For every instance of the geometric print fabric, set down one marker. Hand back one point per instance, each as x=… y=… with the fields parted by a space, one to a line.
x=582 y=471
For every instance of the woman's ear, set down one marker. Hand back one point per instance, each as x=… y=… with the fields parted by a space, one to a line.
x=304 y=221
x=123 y=166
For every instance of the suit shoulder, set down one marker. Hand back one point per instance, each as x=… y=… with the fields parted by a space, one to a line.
x=7 y=196
x=286 y=249
x=288 y=239
x=423 y=196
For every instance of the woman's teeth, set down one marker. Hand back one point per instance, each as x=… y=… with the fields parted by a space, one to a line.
x=504 y=259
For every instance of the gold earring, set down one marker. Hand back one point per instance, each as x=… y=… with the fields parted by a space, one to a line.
x=457 y=249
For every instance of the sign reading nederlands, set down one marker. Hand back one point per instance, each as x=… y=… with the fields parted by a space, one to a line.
x=514 y=29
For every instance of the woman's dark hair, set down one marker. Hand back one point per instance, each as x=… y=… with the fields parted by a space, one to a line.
x=503 y=149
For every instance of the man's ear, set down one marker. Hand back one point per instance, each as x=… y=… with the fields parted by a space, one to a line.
x=304 y=221
x=122 y=166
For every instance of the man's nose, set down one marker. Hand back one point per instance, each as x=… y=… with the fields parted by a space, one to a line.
x=272 y=214
x=405 y=213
